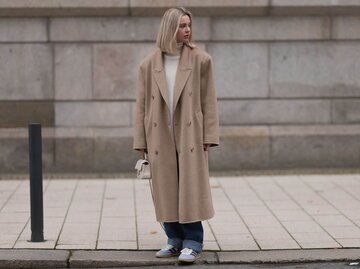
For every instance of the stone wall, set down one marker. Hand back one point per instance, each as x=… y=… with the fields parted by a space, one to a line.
x=287 y=77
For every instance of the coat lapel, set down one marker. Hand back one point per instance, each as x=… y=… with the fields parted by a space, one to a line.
x=160 y=78
x=182 y=74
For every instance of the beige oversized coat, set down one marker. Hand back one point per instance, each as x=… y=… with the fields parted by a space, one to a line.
x=185 y=197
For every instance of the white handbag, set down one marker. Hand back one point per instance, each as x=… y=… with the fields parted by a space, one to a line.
x=143 y=168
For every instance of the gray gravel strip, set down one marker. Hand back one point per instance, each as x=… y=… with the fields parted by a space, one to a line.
x=83 y=259
x=288 y=256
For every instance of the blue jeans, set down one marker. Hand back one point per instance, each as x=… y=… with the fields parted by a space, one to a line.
x=185 y=235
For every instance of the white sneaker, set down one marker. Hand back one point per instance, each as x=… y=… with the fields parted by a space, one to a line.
x=188 y=255
x=168 y=251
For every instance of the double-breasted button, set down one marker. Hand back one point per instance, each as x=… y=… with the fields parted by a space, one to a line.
x=189 y=123
x=156 y=152
x=153 y=97
x=192 y=149
x=155 y=124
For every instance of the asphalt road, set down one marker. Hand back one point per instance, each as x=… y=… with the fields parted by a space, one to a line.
x=327 y=265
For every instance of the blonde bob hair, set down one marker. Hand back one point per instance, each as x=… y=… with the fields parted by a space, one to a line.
x=166 y=38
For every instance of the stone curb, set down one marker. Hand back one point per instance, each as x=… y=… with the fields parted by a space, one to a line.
x=25 y=258
x=20 y=258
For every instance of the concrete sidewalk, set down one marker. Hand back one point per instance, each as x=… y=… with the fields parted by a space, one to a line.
x=253 y=213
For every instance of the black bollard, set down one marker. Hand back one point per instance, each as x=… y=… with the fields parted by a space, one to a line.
x=36 y=185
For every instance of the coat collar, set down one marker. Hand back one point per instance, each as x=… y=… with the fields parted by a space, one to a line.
x=182 y=74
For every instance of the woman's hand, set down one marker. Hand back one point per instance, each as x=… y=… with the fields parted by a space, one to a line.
x=206 y=147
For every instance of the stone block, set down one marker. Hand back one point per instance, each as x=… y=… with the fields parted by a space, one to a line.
x=241 y=148
x=14 y=148
x=113 y=151
x=314 y=146
x=270 y=28
x=270 y=111
x=346 y=27
x=314 y=7
x=249 y=75
x=74 y=155
x=346 y=111
x=104 y=29
x=19 y=114
x=59 y=8
x=73 y=72
x=314 y=69
x=92 y=114
x=18 y=80
x=116 y=69
x=23 y=30
x=201 y=8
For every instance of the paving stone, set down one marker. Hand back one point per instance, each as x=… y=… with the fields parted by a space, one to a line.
x=110 y=244
x=343 y=232
x=261 y=221
x=320 y=245
x=332 y=220
x=33 y=258
x=70 y=246
x=349 y=242
x=26 y=244
x=240 y=246
x=291 y=215
x=302 y=226
x=311 y=236
x=276 y=243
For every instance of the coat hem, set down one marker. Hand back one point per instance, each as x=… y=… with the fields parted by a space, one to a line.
x=187 y=221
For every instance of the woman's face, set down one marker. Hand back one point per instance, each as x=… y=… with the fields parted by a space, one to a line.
x=183 y=33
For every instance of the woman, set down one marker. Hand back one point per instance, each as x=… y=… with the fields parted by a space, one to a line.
x=176 y=123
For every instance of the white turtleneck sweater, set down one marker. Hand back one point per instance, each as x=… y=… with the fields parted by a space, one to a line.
x=171 y=62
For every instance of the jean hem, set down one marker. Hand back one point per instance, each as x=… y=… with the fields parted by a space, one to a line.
x=197 y=246
x=175 y=242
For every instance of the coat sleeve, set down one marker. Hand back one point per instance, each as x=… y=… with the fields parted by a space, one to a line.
x=209 y=104
x=139 y=127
